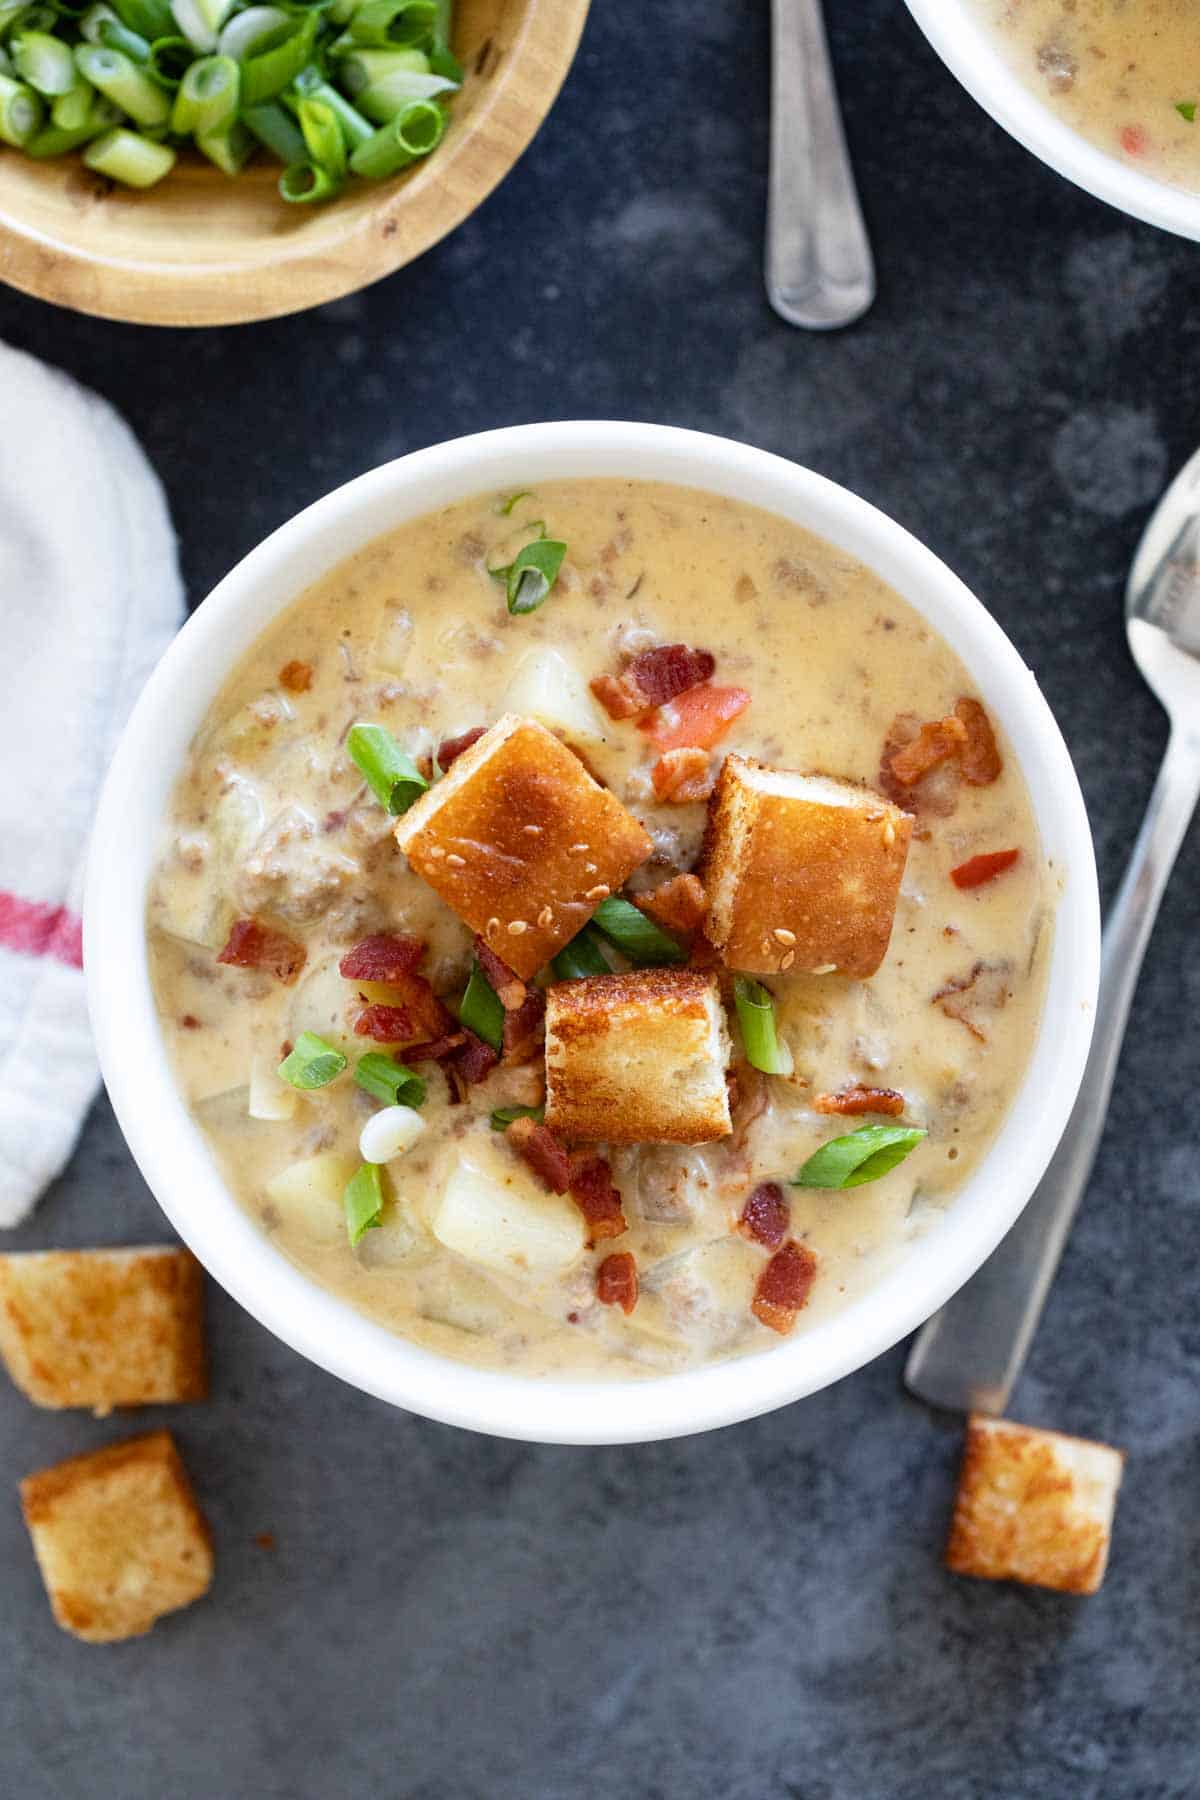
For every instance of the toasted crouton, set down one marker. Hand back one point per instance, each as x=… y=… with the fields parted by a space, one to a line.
x=103 y=1328
x=118 y=1537
x=1033 y=1506
x=522 y=842
x=637 y=1058
x=802 y=871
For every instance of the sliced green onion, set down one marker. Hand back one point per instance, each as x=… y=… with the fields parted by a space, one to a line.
x=323 y=136
x=122 y=82
x=390 y=773
x=304 y=183
x=6 y=67
x=859 y=1157
x=363 y=1202
x=52 y=140
x=45 y=62
x=481 y=1010
x=254 y=28
x=384 y=22
x=531 y=574
x=505 y=508
x=115 y=36
x=385 y=1079
x=266 y=75
x=275 y=131
x=635 y=934
x=442 y=61
x=11 y=13
x=21 y=112
x=1186 y=110
x=91 y=21
x=151 y=19
x=310 y=84
x=756 y=1016
x=72 y=110
x=503 y=1116
x=126 y=157
x=360 y=67
x=230 y=146
x=386 y=99
x=208 y=96
x=581 y=957
x=312 y=1063
x=201 y=20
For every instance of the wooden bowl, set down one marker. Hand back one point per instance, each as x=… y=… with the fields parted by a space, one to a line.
x=202 y=249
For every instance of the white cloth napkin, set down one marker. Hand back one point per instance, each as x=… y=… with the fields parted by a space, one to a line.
x=90 y=596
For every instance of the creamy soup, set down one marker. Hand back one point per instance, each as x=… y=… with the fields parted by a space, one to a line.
x=273 y=831
x=1124 y=73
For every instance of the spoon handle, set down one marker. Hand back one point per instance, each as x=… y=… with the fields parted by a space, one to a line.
x=819 y=270
x=969 y=1355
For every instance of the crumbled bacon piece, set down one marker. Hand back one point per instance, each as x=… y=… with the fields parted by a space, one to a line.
x=979 y=759
x=436 y=1049
x=474 y=1059
x=985 y=988
x=617 y=1281
x=682 y=776
x=619 y=699
x=858 y=1099
x=450 y=749
x=523 y=1029
x=680 y=904
x=429 y=1016
x=597 y=1199
x=386 y=1024
x=296 y=677
x=766 y=1216
x=784 y=1286
x=935 y=743
x=652 y=678
x=935 y=793
x=254 y=946
x=509 y=988
x=978 y=869
x=543 y=1152
x=386 y=957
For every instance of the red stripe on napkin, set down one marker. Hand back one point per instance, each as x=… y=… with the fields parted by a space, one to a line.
x=36 y=929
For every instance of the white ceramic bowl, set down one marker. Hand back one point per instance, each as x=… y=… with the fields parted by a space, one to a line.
x=970 y=51
x=172 y=1153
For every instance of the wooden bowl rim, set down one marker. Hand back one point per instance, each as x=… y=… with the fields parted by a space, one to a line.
x=228 y=292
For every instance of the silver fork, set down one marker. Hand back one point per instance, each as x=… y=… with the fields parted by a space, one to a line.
x=969 y=1355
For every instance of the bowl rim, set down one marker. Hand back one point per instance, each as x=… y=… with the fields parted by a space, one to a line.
x=973 y=55
x=407 y=220
x=168 y=1146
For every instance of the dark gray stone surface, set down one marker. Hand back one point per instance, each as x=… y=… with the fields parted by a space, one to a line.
x=758 y=1613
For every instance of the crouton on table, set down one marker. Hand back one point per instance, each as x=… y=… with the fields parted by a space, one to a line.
x=118 y=1537
x=802 y=872
x=521 y=842
x=1033 y=1506
x=637 y=1058
x=103 y=1328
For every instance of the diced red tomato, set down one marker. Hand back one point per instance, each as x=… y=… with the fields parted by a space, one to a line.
x=700 y=718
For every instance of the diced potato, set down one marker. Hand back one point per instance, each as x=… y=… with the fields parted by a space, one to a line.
x=195 y=905
x=495 y=1216
x=700 y=1297
x=546 y=687
x=396 y=1240
x=270 y=1097
x=394 y=641
x=308 y=1195
x=321 y=1002
x=466 y=1305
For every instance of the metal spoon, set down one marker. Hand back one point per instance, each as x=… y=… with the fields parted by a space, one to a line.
x=969 y=1355
x=819 y=269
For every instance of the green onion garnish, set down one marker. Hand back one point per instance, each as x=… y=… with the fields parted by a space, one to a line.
x=387 y=1080
x=45 y=62
x=276 y=131
x=531 y=574
x=481 y=1010
x=312 y=1063
x=128 y=86
x=756 y=1016
x=581 y=957
x=268 y=73
x=207 y=97
x=170 y=59
x=503 y=1116
x=635 y=934
x=127 y=157
x=390 y=773
x=859 y=1157
x=363 y=1202
x=323 y=136
x=21 y=112
x=401 y=22
x=413 y=132
x=505 y=507
x=306 y=183
x=1186 y=110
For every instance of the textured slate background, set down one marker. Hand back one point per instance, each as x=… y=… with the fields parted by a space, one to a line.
x=758 y=1613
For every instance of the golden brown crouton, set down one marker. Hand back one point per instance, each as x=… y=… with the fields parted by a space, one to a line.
x=1033 y=1506
x=637 y=1058
x=522 y=842
x=103 y=1328
x=118 y=1537
x=801 y=871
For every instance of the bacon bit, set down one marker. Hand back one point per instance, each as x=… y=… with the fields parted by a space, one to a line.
x=978 y=869
x=617 y=1281
x=450 y=749
x=619 y=699
x=543 y=1152
x=425 y=767
x=935 y=743
x=296 y=677
x=652 y=678
x=1134 y=140
x=699 y=718
x=509 y=988
x=784 y=1286
x=766 y=1216
x=414 y=993
x=386 y=1024
x=386 y=957
x=858 y=1099
x=254 y=946
x=598 y=1200
x=680 y=904
x=436 y=1049
x=682 y=776
x=980 y=760
x=523 y=1029
x=475 y=1059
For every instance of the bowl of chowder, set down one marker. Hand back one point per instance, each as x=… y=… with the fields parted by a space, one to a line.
x=1104 y=91
x=592 y=932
